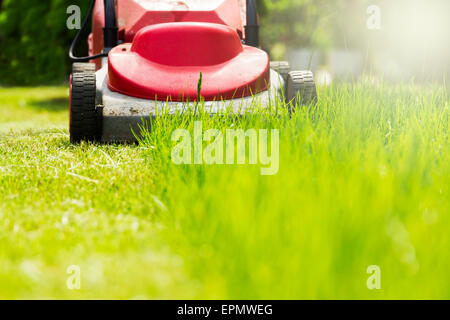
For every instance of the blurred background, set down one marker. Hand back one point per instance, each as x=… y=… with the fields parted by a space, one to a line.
x=389 y=40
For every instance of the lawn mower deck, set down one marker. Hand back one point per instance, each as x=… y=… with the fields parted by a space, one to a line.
x=165 y=57
x=121 y=112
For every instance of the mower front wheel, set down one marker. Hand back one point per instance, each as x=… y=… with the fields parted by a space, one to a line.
x=300 y=89
x=282 y=67
x=84 y=121
x=78 y=67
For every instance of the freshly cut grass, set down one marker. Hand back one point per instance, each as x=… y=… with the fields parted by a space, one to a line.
x=363 y=180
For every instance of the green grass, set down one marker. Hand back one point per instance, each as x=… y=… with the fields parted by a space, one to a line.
x=363 y=180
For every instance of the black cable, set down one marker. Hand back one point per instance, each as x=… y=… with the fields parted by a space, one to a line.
x=77 y=38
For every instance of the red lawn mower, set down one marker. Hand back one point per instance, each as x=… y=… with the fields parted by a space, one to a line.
x=147 y=56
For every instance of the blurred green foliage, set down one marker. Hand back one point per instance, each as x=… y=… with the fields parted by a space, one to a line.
x=313 y=23
x=34 y=41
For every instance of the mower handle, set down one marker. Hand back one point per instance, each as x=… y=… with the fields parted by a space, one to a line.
x=109 y=32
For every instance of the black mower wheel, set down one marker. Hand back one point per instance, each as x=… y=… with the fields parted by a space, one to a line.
x=282 y=67
x=300 y=89
x=84 y=123
x=78 y=67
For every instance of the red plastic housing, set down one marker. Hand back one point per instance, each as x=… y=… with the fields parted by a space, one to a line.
x=168 y=43
x=133 y=15
x=165 y=60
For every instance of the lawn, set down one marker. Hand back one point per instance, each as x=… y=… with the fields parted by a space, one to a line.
x=363 y=180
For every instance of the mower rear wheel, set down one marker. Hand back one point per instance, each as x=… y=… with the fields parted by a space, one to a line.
x=300 y=89
x=282 y=67
x=84 y=124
